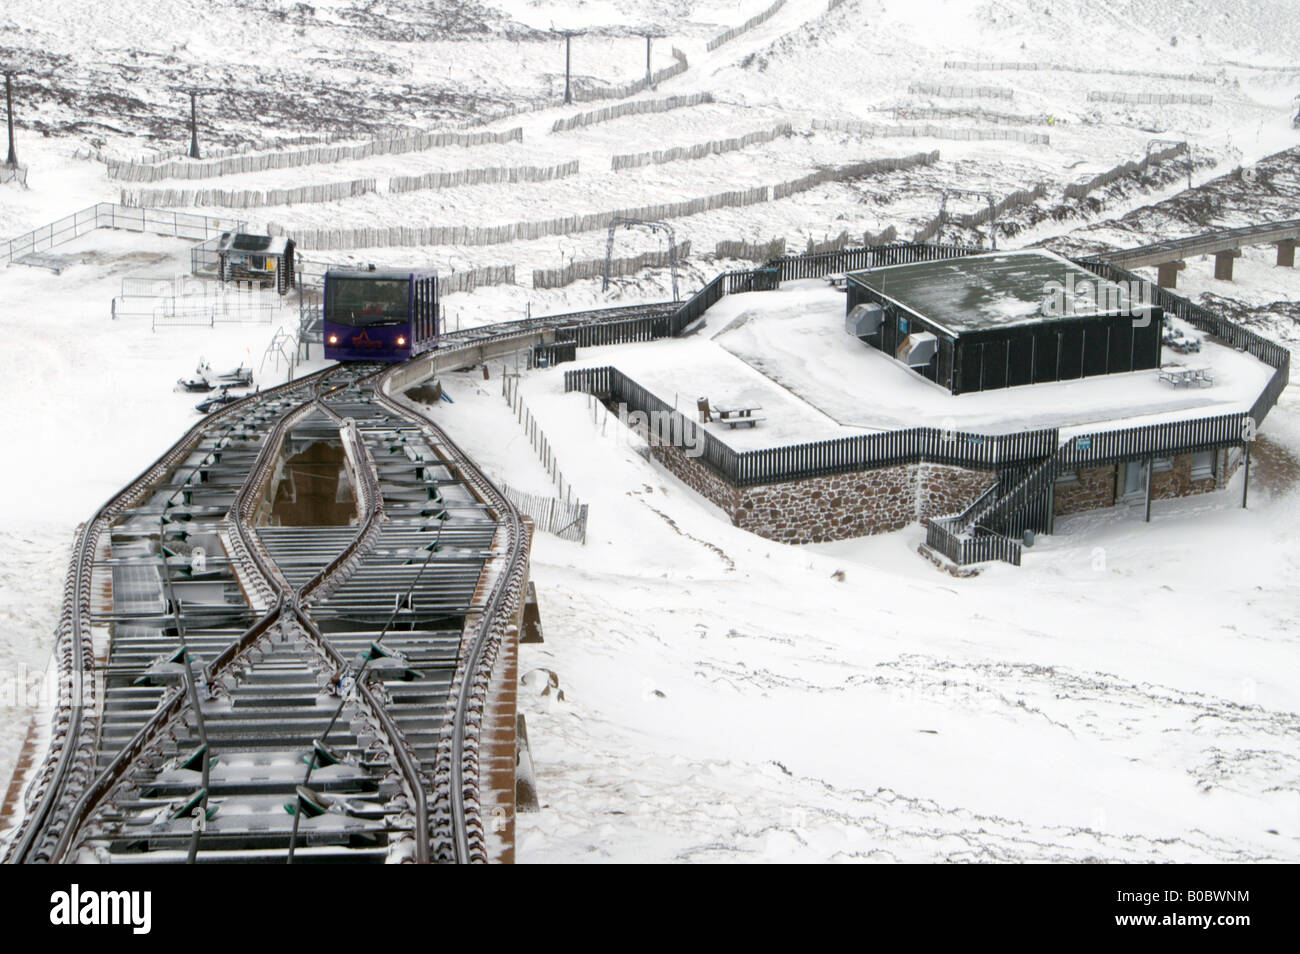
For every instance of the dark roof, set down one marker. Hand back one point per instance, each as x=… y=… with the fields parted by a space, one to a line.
x=979 y=292
x=250 y=243
x=401 y=274
x=246 y=242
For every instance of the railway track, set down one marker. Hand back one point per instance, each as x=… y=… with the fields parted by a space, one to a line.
x=266 y=687
x=243 y=679
x=277 y=642
x=544 y=323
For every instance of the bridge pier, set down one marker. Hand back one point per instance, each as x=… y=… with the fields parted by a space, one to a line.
x=1223 y=263
x=1286 y=253
x=1167 y=273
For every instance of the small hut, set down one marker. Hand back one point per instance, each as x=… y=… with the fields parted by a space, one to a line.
x=265 y=259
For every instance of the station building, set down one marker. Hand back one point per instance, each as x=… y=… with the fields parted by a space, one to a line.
x=1003 y=319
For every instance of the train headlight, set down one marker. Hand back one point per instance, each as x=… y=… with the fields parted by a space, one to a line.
x=334 y=339
x=400 y=341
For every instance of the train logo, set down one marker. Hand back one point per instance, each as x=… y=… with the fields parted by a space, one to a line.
x=364 y=341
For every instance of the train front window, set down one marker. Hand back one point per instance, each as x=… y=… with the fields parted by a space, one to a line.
x=368 y=302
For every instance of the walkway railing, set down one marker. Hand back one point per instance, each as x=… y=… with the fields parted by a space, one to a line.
x=109 y=215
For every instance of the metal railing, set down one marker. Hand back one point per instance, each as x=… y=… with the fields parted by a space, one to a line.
x=963 y=550
x=1206 y=243
x=991 y=452
x=109 y=215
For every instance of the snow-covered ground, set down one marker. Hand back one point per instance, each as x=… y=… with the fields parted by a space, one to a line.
x=89 y=403
x=728 y=698
x=1127 y=694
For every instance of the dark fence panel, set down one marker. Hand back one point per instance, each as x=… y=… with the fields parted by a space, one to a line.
x=1027 y=505
x=1155 y=440
x=794 y=267
x=1234 y=335
x=547 y=355
x=822 y=458
x=964 y=550
x=615 y=332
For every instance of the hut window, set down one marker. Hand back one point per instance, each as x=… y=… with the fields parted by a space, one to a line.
x=1202 y=465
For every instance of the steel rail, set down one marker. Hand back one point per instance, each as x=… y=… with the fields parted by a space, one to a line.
x=482 y=650
x=297 y=598
x=1204 y=243
x=290 y=600
x=113 y=773
x=50 y=786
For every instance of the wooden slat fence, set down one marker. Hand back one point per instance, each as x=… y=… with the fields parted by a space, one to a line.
x=108 y=215
x=565 y=519
x=635 y=108
x=260 y=162
x=490 y=175
x=727 y=36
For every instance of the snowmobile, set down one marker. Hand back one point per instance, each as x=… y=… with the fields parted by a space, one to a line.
x=198 y=382
x=218 y=400
x=240 y=377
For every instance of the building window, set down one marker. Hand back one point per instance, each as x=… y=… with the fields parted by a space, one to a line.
x=1202 y=465
x=1162 y=464
x=1133 y=479
x=1068 y=477
x=902 y=325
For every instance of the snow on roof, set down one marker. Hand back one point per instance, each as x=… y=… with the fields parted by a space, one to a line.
x=246 y=242
x=997 y=289
x=787 y=352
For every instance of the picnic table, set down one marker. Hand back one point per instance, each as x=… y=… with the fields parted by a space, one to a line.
x=839 y=282
x=1182 y=376
x=734 y=417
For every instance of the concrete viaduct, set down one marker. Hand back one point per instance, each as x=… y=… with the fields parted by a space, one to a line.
x=1224 y=244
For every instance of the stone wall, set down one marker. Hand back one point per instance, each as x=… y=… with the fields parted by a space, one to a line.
x=948 y=490
x=835 y=507
x=841 y=506
x=1094 y=489
x=696 y=476
x=830 y=508
x=1179 y=482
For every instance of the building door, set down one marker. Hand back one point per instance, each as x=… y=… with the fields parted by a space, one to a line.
x=1133 y=480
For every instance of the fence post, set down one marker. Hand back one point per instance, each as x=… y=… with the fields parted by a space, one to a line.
x=1245 y=476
